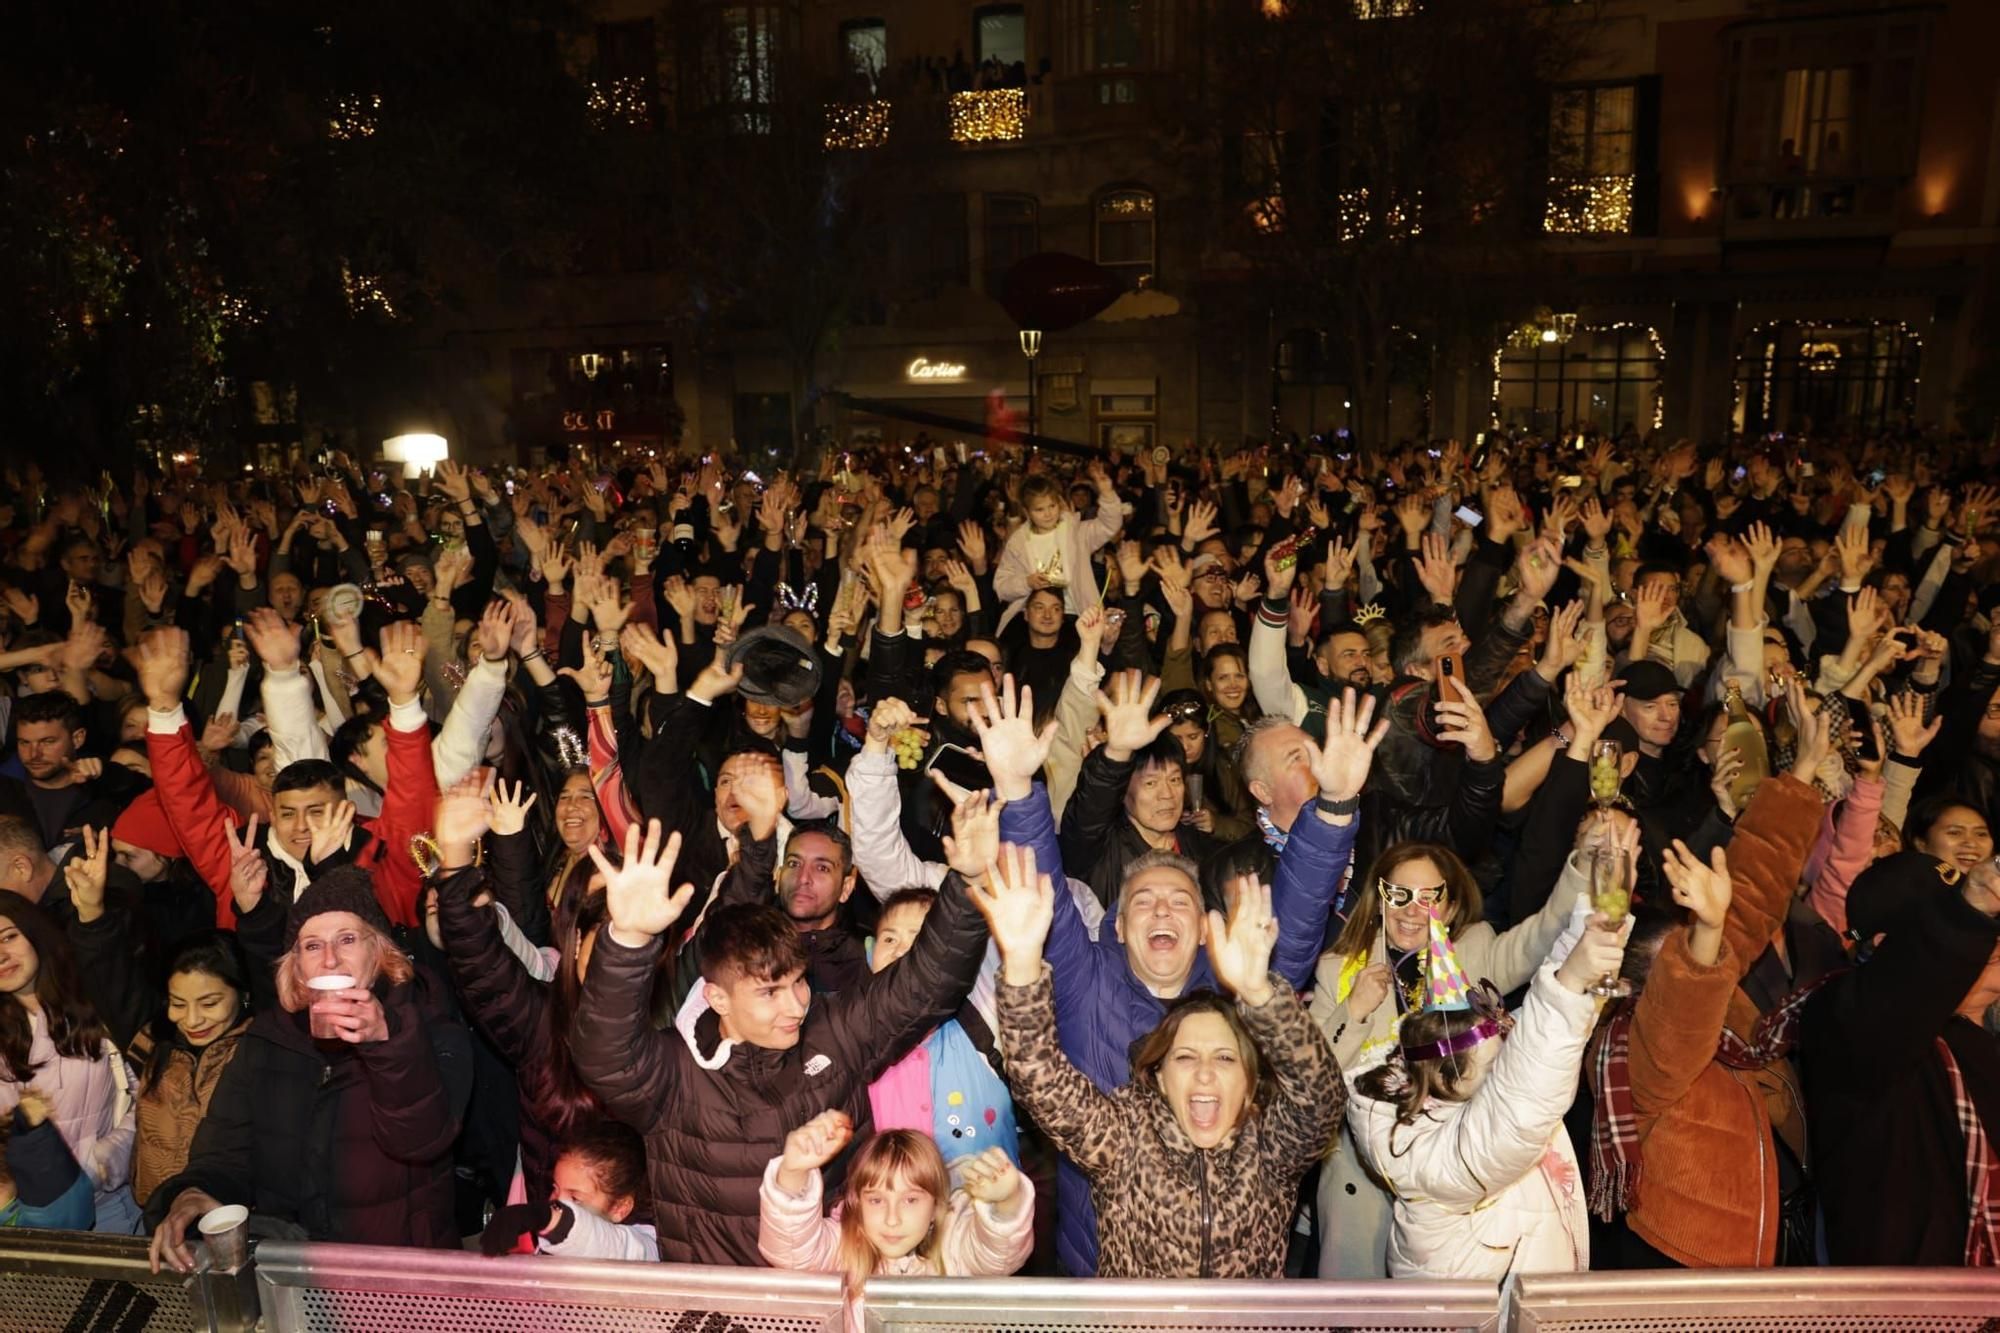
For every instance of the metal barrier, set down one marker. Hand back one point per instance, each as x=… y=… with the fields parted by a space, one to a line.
x=1783 y=1300
x=311 y=1288
x=1029 y=1305
x=85 y=1283
x=82 y=1282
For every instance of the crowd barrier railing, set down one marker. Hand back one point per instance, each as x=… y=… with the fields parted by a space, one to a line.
x=1031 y=1305
x=1768 y=1300
x=61 y=1282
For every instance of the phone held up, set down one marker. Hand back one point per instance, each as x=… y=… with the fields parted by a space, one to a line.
x=1444 y=669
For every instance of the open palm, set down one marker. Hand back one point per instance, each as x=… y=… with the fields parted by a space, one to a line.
x=1018 y=903
x=1129 y=724
x=1013 y=750
x=638 y=894
x=1342 y=764
x=1239 y=949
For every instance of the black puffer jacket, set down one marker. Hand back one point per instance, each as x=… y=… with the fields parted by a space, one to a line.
x=1099 y=836
x=714 y=1113
x=351 y=1143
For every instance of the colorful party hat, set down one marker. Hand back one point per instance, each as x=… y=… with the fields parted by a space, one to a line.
x=1448 y=987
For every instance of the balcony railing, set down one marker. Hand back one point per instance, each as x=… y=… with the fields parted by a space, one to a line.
x=857 y=124
x=1589 y=206
x=988 y=116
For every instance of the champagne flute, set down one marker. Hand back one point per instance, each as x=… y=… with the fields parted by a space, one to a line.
x=1611 y=896
x=1606 y=772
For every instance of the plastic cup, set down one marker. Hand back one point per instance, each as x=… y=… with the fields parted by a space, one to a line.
x=226 y=1232
x=320 y=1021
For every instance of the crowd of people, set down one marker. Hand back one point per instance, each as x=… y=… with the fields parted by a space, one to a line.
x=1440 y=861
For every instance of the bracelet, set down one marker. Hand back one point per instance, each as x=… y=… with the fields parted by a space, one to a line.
x=1907 y=761
x=1346 y=807
x=605 y=702
x=530 y=656
x=1743 y=587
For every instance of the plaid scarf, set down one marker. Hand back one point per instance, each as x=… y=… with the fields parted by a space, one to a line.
x=1614 y=1125
x=1982 y=1173
x=1274 y=837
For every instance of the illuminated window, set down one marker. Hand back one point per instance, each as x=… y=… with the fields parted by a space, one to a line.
x=989 y=114
x=1125 y=235
x=1606 y=379
x=1000 y=32
x=625 y=81
x=1592 y=146
x=1263 y=179
x=749 y=51
x=1815 y=132
x=1012 y=234
x=857 y=124
x=1860 y=374
x=864 y=45
x=1385 y=9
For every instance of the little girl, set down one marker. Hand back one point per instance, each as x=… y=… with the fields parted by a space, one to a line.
x=897 y=1214
x=1053 y=548
x=600 y=1184
x=1464 y=1123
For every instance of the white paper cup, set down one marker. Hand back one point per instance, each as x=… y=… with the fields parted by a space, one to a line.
x=226 y=1232
x=322 y=1028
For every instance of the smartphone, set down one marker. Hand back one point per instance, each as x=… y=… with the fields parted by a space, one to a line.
x=510 y=485
x=1469 y=516
x=1443 y=669
x=1739 y=474
x=1865 y=748
x=1877 y=477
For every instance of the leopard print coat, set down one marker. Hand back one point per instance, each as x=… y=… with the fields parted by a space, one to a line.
x=1164 y=1207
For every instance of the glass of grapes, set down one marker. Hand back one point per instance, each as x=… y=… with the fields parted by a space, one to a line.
x=1611 y=896
x=1606 y=773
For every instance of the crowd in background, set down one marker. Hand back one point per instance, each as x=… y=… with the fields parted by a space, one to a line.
x=1438 y=861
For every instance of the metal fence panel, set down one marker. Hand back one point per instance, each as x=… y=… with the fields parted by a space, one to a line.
x=1030 y=1305
x=82 y=1282
x=312 y=1288
x=1785 y=1300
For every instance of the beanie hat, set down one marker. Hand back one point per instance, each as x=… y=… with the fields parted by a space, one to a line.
x=144 y=825
x=344 y=888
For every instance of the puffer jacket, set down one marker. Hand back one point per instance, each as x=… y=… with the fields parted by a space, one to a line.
x=1165 y=1207
x=351 y=1143
x=1354 y=1212
x=172 y=1108
x=1708 y=1194
x=714 y=1112
x=1102 y=1009
x=90 y=1102
x=1489 y=1186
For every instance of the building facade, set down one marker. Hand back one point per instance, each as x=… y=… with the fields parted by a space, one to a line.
x=1759 y=213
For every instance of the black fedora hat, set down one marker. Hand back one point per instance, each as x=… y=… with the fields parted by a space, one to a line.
x=779 y=667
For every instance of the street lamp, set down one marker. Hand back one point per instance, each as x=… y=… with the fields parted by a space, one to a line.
x=417 y=453
x=1031 y=347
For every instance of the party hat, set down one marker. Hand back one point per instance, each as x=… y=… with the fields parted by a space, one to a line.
x=1448 y=987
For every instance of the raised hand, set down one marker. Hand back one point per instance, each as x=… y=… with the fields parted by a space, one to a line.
x=1019 y=904
x=1464 y=720
x=660 y=656
x=1436 y=570
x=1564 y=645
x=593 y=678
x=1865 y=615
x=1764 y=548
x=972 y=541
x=247 y=871
x=508 y=813
x=888 y=718
x=217 y=734
x=1341 y=765
x=974 y=841
x=990 y=1176
x=812 y=1145
x=330 y=829
x=496 y=631
x=460 y=818
x=1200 y=524
x=1704 y=890
x=453 y=480
x=1908 y=730
x=1239 y=949
x=400 y=665
x=760 y=790
x=162 y=662
x=1537 y=568
x=1730 y=558
x=275 y=643
x=85 y=874
x=638 y=893
x=1129 y=722
x=1815 y=734
x=449 y=571
x=1013 y=750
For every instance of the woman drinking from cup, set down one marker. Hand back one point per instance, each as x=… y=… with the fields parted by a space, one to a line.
x=338 y=1112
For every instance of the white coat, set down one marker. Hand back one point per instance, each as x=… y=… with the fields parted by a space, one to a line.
x=1490 y=1186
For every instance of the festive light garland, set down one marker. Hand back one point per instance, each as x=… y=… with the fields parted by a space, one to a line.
x=988 y=115
x=1589 y=206
x=624 y=101
x=856 y=125
x=1400 y=222
x=354 y=116
x=1531 y=334
x=364 y=292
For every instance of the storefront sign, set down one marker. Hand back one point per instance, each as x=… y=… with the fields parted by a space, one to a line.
x=578 y=422
x=925 y=370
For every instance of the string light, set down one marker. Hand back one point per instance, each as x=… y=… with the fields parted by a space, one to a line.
x=625 y=101
x=354 y=117
x=988 y=115
x=856 y=125
x=1589 y=206
x=1533 y=333
x=364 y=292
x=1385 y=9
x=1400 y=221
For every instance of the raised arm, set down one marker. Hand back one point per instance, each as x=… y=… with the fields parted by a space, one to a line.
x=1313 y=869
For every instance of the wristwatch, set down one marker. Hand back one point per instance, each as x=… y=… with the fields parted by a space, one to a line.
x=1346 y=807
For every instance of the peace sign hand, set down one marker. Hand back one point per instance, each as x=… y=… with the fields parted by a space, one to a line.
x=247 y=871
x=85 y=874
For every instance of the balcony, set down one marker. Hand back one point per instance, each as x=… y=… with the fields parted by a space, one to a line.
x=1800 y=206
x=1589 y=206
x=852 y=125
x=994 y=115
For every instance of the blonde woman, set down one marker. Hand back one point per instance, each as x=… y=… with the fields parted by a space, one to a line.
x=338 y=1112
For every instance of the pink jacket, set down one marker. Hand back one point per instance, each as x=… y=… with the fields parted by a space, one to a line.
x=1081 y=539
x=1844 y=849
x=794 y=1232
x=92 y=1104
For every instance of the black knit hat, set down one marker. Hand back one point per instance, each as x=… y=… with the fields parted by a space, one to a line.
x=344 y=888
x=1888 y=893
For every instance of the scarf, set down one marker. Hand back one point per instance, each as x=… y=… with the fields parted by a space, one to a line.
x=1274 y=837
x=1614 y=1124
x=1982 y=1173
